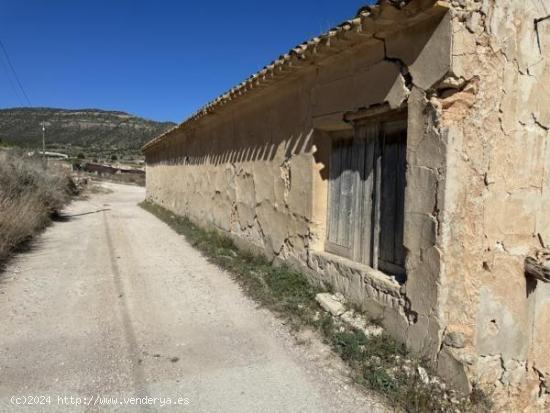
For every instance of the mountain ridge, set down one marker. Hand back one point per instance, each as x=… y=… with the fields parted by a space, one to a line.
x=86 y=128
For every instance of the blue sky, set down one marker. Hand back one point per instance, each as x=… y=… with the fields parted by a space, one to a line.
x=159 y=59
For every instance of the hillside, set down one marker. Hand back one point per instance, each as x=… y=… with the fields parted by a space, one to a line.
x=84 y=128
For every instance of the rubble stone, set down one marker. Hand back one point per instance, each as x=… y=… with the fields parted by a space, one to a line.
x=330 y=304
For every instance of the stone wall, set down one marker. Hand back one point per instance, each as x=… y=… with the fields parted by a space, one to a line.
x=258 y=169
x=473 y=82
x=247 y=171
x=496 y=114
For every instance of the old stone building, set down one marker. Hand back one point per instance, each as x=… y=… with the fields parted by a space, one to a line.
x=402 y=158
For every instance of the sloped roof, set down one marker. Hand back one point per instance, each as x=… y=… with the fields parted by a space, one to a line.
x=387 y=15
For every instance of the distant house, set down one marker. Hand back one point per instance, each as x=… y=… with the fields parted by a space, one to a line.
x=404 y=159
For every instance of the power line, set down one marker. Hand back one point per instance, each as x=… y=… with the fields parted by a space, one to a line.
x=15 y=73
x=10 y=80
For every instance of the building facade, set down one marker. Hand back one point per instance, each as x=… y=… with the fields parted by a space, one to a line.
x=403 y=159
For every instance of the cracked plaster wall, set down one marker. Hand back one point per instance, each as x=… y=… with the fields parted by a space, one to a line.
x=474 y=84
x=495 y=110
x=247 y=172
x=258 y=170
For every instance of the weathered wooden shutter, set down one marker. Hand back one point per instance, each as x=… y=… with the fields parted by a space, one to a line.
x=343 y=187
x=366 y=196
x=367 y=136
x=392 y=198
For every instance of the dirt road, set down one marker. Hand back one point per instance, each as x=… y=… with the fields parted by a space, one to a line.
x=111 y=304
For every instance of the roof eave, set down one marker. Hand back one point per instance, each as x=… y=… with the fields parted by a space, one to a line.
x=369 y=20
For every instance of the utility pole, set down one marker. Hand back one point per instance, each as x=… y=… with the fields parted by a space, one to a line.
x=44 y=143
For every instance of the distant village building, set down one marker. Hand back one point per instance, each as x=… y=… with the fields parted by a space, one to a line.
x=402 y=158
x=104 y=169
x=100 y=169
x=49 y=155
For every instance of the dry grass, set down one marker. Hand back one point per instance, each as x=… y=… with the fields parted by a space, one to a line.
x=29 y=196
